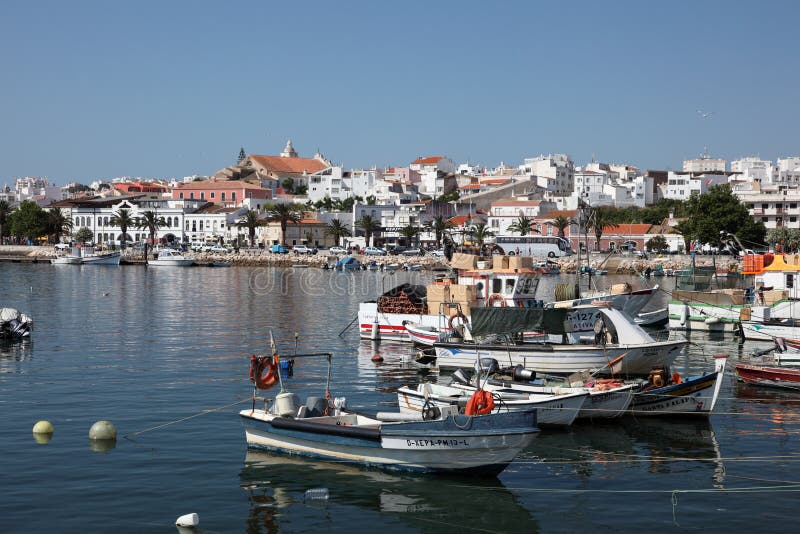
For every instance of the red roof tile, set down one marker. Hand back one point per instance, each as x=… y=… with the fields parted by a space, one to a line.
x=291 y=165
x=427 y=161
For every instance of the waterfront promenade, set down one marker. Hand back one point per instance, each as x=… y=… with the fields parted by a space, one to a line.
x=614 y=263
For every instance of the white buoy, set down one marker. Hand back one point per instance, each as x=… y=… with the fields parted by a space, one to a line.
x=188 y=520
x=375 y=335
x=103 y=430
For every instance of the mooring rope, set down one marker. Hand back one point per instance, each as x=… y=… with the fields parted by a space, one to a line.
x=198 y=414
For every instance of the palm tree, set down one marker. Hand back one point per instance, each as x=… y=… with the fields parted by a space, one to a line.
x=251 y=222
x=409 y=232
x=123 y=219
x=369 y=225
x=284 y=214
x=438 y=225
x=151 y=222
x=338 y=230
x=600 y=219
x=561 y=223
x=58 y=224
x=523 y=225
x=5 y=211
x=479 y=233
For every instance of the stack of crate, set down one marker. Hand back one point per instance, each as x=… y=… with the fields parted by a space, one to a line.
x=399 y=304
x=520 y=262
x=437 y=294
x=464 y=295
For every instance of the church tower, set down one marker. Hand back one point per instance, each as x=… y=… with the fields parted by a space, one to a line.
x=289 y=151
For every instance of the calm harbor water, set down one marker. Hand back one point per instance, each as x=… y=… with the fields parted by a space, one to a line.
x=146 y=347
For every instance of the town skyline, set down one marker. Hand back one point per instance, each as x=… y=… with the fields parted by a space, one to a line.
x=153 y=90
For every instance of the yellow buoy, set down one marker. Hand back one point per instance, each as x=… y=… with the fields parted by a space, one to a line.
x=43 y=427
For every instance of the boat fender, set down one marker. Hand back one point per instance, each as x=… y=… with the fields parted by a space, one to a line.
x=684 y=315
x=264 y=371
x=480 y=403
x=658 y=381
x=676 y=378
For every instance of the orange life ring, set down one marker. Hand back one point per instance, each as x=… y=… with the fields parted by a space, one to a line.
x=480 y=403
x=264 y=371
x=493 y=297
x=460 y=316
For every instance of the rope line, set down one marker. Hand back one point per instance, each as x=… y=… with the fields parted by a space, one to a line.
x=198 y=414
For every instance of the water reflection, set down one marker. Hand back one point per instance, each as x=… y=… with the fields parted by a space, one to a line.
x=656 y=445
x=276 y=485
x=14 y=352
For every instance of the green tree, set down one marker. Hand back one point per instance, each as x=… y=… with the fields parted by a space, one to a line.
x=783 y=239
x=283 y=214
x=561 y=223
x=371 y=200
x=451 y=196
x=523 y=225
x=5 y=212
x=438 y=225
x=57 y=223
x=369 y=225
x=479 y=233
x=409 y=233
x=338 y=230
x=601 y=218
x=251 y=221
x=656 y=243
x=28 y=221
x=151 y=222
x=124 y=220
x=719 y=210
x=83 y=235
x=288 y=185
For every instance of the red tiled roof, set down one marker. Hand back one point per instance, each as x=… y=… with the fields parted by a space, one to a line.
x=624 y=229
x=291 y=165
x=495 y=181
x=471 y=186
x=459 y=220
x=219 y=184
x=427 y=161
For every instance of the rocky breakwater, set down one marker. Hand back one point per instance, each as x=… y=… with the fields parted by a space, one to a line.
x=267 y=259
x=630 y=265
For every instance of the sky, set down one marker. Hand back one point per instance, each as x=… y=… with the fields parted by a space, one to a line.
x=96 y=89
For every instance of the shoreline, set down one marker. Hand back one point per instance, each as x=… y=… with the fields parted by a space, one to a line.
x=614 y=264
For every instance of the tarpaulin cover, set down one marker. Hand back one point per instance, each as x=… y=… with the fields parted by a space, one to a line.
x=486 y=321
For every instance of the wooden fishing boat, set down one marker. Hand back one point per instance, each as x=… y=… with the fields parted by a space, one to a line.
x=770 y=376
x=669 y=394
x=448 y=443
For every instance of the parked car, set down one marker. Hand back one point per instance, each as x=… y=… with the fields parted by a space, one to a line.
x=374 y=251
x=337 y=250
x=63 y=246
x=303 y=249
x=278 y=249
x=218 y=249
x=413 y=251
x=397 y=250
x=438 y=252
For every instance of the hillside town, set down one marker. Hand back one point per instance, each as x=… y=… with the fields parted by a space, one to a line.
x=406 y=205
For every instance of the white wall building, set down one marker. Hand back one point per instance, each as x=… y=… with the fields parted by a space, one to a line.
x=431 y=169
x=680 y=186
x=554 y=172
x=753 y=169
x=37 y=189
x=504 y=213
x=704 y=164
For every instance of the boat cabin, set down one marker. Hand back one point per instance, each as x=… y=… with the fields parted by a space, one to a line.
x=511 y=287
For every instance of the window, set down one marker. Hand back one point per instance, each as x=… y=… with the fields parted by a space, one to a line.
x=233 y=196
x=222 y=196
x=497 y=285
x=202 y=195
x=212 y=194
x=191 y=196
x=510 y=286
x=789 y=281
x=180 y=195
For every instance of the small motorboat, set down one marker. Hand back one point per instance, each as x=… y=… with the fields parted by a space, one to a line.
x=770 y=376
x=439 y=441
x=170 y=258
x=14 y=325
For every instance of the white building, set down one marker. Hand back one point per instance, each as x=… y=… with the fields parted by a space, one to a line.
x=787 y=172
x=680 y=186
x=704 y=164
x=753 y=169
x=432 y=171
x=34 y=188
x=554 y=172
x=504 y=213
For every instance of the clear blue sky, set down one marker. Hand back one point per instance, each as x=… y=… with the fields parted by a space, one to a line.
x=166 y=89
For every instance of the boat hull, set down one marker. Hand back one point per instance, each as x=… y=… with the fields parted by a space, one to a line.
x=485 y=444
x=102 y=259
x=551 y=410
x=605 y=404
x=769 y=331
x=776 y=377
x=696 y=396
x=184 y=262
x=561 y=359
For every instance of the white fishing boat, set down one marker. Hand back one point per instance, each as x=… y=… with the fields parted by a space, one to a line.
x=552 y=409
x=384 y=318
x=607 y=397
x=615 y=336
x=87 y=256
x=170 y=258
x=448 y=443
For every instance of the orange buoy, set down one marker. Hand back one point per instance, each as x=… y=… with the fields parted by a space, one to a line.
x=480 y=403
x=377 y=358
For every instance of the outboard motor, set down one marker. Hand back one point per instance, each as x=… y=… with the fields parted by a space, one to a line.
x=316 y=406
x=462 y=376
x=487 y=366
x=524 y=375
